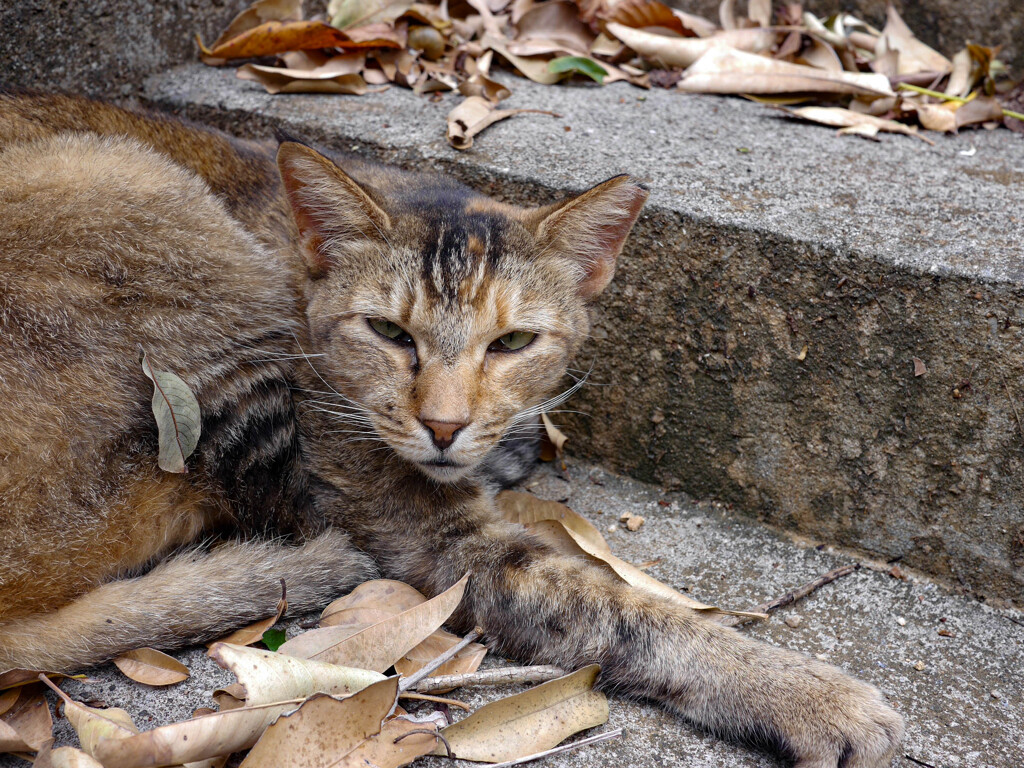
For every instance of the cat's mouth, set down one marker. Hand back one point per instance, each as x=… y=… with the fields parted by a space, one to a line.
x=443 y=463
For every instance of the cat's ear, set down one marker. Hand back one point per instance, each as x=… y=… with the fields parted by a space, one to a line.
x=330 y=208
x=591 y=228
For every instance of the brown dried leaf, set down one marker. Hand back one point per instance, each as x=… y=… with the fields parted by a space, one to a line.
x=7 y=699
x=647 y=13
x=344 y=733
x=725 y=70
x=915 y=56
x=254 y=632
x=379 y=645
x=937 y=117
x=481 y=85
x=553 y=441
x=466 y=660
x=355 y=13
x=151 y=667
x=14 y=678
x=280 y=80
x=475 y=114
x=664 y=51
x=570 y=533
x=29 y=718
x=280 y=36
x=529 y=722
x=556 y=25
x=259 y=12
x=11 y=740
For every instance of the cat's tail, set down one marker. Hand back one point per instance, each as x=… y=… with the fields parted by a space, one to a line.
x=191 y=598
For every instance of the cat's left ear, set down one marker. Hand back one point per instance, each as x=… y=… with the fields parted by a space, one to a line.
x=330 y=208
x=590 y=229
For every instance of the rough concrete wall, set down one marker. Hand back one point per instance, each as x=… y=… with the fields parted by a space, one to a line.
x=102 y=47
x=708 y=392
x=944 y=24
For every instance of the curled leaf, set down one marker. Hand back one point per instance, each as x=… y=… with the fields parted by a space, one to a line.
x=668 y=51
x=151 y=667
x=178 y=418
x=474 y=115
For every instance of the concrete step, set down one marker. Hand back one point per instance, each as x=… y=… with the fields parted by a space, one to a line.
x=758 y=343
x=964 y=706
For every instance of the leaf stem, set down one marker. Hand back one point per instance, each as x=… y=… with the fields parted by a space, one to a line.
x=500 y=676
x=946 y=97
x=415 y=677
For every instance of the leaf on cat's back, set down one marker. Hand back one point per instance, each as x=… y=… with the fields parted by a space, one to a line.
x=529 y=722
x=178 y=418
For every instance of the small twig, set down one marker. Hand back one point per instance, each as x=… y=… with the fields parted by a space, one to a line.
x=431 y=732
x=945 y=97
x=503 y=676
x=436 y=699
x=922 y=763
x=1013 y=405
x=793 y=595
x=411 y=681
x=562 y=748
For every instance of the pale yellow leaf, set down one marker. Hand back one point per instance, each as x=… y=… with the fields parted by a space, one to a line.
x=937 y=117
x=266 y=677
x=838 y=117
x=381 y=644
x=67 y=757
x=151 y=667
x=915 y=56
x=959 y=84
x=554 y=435
x=724 y=70
x=529 y=722
x=667 y=51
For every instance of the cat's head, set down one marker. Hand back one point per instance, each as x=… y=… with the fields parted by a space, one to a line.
x=444 y=319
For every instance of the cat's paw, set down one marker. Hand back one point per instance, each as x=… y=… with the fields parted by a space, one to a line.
x=847 y=725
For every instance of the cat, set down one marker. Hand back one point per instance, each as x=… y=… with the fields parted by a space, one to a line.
x=363 y=342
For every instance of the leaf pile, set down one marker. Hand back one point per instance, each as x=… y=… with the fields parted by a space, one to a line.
x=872 y=80
x=322 y=700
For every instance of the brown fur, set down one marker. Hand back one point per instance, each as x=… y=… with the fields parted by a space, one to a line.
x=143 y=232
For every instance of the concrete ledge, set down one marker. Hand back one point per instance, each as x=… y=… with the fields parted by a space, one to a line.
x=764 y=236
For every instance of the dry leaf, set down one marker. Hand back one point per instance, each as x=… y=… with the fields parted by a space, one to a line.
x=632 y=522
x=64 y=757
x=475 y=114
x=556 y=21
x=760 y=12
x=466 y=660
x=8 y=698
x=280 y=36
x=95 y=727
x=959 y=84
x=265 y=677
x=178 y=420
x=381 y=644
x=344 y=733
x=554 y=440
x=647 y=13
x=29 y=718
x=355 y=13
x=725 y=70
x=937 y=117
x=529 y=722
x=665 y=51
x=481 y=85
x=192 y=740
x=919 y=367
x=151 y=667
x=256 y=14
x=279 y=80
x=982 y=109
x=842 y=118
x=254 y=632
x=572 y=534
x=14 y=678
x=915 y=56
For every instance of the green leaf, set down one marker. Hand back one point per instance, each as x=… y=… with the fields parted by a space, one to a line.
x=580 y=64
x=274 y=638
x=178 y=419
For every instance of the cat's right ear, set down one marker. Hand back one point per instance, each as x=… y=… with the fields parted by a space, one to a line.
x=330 y=208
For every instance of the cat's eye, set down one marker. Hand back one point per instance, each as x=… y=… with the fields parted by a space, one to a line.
x=390 y=330
x=512 y=342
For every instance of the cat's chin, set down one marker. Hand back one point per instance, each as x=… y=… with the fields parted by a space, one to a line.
x=444 y=471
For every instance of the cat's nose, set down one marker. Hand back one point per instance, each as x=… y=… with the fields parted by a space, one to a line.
x=442 y=432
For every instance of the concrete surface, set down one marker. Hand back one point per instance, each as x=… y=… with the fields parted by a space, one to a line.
x=964 y=709
x=763 y=237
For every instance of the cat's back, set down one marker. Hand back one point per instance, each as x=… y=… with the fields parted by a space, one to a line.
x=107 y=249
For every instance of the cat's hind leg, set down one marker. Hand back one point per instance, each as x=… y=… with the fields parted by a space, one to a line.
x=195 y=596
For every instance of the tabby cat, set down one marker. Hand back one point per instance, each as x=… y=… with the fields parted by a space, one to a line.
x=363 y=343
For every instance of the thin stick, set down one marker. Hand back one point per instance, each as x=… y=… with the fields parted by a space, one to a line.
x=436 y=699
x=793 y=595
x=415 y=677
x=504 y=676
x=944 y=97
x=563 y=748
x=919 y=762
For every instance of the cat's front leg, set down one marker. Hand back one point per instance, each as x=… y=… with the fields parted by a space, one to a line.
x=543 y=607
